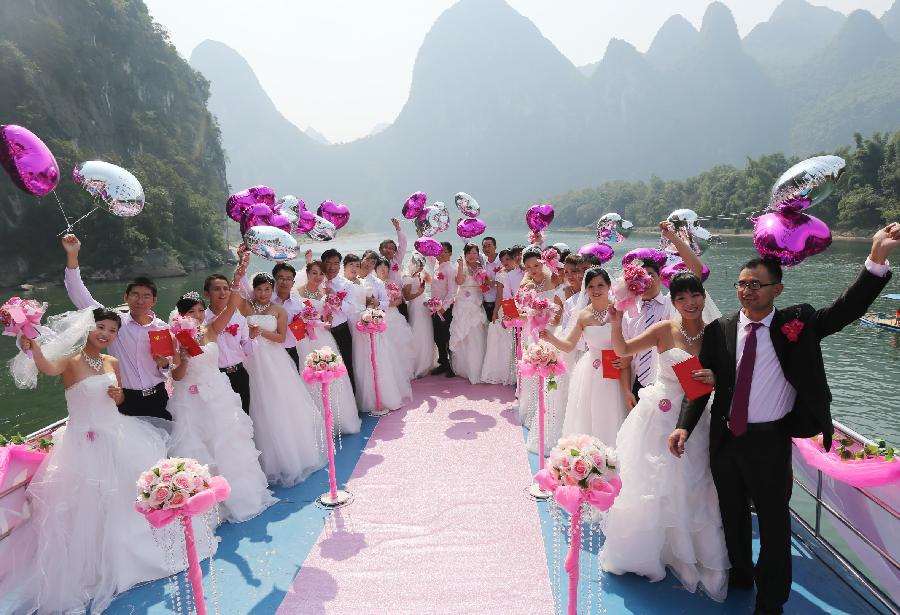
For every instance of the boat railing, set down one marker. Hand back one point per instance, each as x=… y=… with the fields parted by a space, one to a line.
x=864 y=518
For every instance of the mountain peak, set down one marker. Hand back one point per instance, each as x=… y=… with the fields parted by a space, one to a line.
x=800 y=10
x=619 y=51
x=719 y=30
x=891 y=21
x=775 y=44
x=673 y=41
x=863 y=36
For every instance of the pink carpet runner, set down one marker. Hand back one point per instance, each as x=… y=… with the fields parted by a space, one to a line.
x=440 y=522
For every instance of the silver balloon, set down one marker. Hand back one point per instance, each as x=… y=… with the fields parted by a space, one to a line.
x=119 y=191
x=271 y=243
x=687 y=227
x=806 y=183
x=433 y=220
x=322 y=230
x=612 y=227
x=467 y=205
x=289 y=206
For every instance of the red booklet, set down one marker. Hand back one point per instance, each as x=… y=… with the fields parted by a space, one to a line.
x=692 y=388
x=509 y=309
x=161 y=343
x=187 y=340
x=298 y=328
x=610 y=371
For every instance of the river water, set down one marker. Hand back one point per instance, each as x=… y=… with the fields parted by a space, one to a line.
x=863 y=363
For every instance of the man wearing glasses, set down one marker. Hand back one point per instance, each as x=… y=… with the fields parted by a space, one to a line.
x=770 y=385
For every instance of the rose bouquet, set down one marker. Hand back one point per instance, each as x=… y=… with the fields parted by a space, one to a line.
x=323 y=365
x=435 y=304
x=371 y=320
x=542 y=359
x=629 y=287
x=393 y=291
x=22 y=317
x=538 y=312
x=170 y=483
x=481 y=277
x=334 y=301
x=183 y=324
x=551 y=258
x=312 y=318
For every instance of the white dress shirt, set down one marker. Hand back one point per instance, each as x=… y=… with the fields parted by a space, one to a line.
x=233 y=349
x=492 y=268
x=661 y=308
x=396 y=271
x=131 y=347
x=443 y=284
x=513 y=281
x=378 y=289
x=337 y=284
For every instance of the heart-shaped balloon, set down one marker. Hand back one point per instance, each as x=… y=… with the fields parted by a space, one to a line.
x=790 y=237
x=669 y=271
x=28 y=161
x=470 y=227
x=336 y=213
x=305 y=221
x=647 y=255
x=428 y=246
x=806 y=183
x=434 y=219
x=612 y=227
x=466 y=204
x=119 y=191
x=538 y=217
x=414 y=205
x=241 y=203
x=322 y=229
x=271 y=243
x=601 y=250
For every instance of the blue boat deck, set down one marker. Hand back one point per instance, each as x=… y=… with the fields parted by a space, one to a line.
x=258 y=560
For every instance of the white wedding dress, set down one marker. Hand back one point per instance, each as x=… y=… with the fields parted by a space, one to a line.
x=422 y=330
x=287 y=425
x=468 y=331
x=393 y=382
x=211 y=427
x=667 y=514
x=345 y=415
x=401 y=341
x=85 y=542
x=500 y=355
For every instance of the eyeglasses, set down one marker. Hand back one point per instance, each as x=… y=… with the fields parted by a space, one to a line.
x=752 y=285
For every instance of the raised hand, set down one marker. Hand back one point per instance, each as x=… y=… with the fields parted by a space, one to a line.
x=884 y=242
x=667 y=230
x=396 y=224
x=71 y=244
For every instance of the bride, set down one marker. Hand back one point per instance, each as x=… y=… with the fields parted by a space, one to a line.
x=667 y=514
x=468 y=329
x=287 y=424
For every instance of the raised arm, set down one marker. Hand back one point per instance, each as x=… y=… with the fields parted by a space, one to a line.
x=78 y=293
x=691 y=260
x=44 y=365
x=568 y=344
x=460 y=272
x=627 y=348
x=401 y=241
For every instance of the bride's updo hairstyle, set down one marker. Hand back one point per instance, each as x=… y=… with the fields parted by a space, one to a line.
x=592 y=273
x=531 y=252
x=469 y=247
x=187 y=301
x=263 y=278
x=102 y=313
x=685 y=282
x=318 y=264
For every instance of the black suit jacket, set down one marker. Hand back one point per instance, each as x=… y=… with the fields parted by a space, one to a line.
x=801 y=361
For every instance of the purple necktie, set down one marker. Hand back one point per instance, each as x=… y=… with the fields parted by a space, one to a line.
x=740 y=402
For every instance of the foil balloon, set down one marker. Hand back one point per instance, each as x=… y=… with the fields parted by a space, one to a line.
x=271 y=243
x=434 y=219
x=806 y=183
x=336 y=213
x=538 y=217
x=119 y=191
x=467 y=205
x=414 y=205
x=470 y=227
x=428 y=246
x=322 y=229
x=601 y=250
x=252 y=201
x=289 y=206
x=612 y=227
x=669 y=271
x=687 y=227
x=28 y=161
x=647 y=255
x=790 y=237
x=305 y=222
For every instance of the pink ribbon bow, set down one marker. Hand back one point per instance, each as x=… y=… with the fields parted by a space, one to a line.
x=21 y=317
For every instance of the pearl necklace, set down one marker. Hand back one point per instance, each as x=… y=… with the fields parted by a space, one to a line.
x=601 y=315
x=539 y=288
x=690 y=339
x=310 y=294
x=95 y=364
x=259 y=308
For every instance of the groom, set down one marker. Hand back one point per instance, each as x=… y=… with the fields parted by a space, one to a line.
x=770 y=386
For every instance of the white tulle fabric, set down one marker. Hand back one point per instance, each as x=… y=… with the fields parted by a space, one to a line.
x=500 y=355
x=422 y=329
x=343 y=403
x=402 y=343
x=84 y=542
x=287 y=425
x=63 y=335
x=211 y=427
x=667 y=514
x=468 y=331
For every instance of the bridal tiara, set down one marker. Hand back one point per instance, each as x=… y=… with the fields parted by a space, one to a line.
x=191 y=295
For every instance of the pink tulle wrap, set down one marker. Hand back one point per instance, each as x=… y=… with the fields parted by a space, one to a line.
x=861 y=473
x=371 y=327
x=323 y=376
x=544 y=371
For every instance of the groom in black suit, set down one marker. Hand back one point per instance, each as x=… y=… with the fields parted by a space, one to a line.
x=770 y=385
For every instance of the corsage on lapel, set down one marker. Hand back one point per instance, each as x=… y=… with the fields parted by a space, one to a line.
x=792 y=329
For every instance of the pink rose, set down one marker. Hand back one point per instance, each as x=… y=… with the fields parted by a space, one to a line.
x=165 y=478
x=193 y=389
x=160 y=493
x=596 y=483
x=176 y=501
x=183 y=480
x=793 y=329
x=581 y=468
x=199 y=484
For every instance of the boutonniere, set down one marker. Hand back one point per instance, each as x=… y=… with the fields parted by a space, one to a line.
x=395 y=267
x=497 y=269
x=792 y=329
x=440 y=276
x=232 y=329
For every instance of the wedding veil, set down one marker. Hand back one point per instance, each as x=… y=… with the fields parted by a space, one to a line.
x=62 y=336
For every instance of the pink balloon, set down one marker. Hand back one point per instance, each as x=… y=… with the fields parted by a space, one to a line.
x=258 y=198
x=601 y=250
x=790 y=237
x=470 y=227
x=538 y=217
x=306 y=221
x=28 y=161
x=336 y=213
x=414 y=205
x=428 y=246
x=669 y=271
x=646 y=254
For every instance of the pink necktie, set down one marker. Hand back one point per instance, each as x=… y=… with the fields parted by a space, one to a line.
x=740 y=402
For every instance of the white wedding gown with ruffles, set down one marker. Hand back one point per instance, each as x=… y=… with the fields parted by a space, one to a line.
x=468 y=331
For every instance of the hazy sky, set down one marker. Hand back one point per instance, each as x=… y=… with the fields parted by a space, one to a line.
x=344 y=66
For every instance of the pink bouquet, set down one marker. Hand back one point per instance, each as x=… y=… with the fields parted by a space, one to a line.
x=435 y=304
x=180 y=324
x=481 y=277
x=170 y=483
x=859 y=465
x=551 y=258
x=371 y=320
x=542 y=359
x=393 y=291
x=312 y=318
x=629 y=287
x=538 y=312
x=535 y=238
x=323 y=365
x=333 y=301
x=22 y=317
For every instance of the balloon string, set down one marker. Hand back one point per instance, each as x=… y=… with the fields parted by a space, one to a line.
x=63 y=212
x=64 y=231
